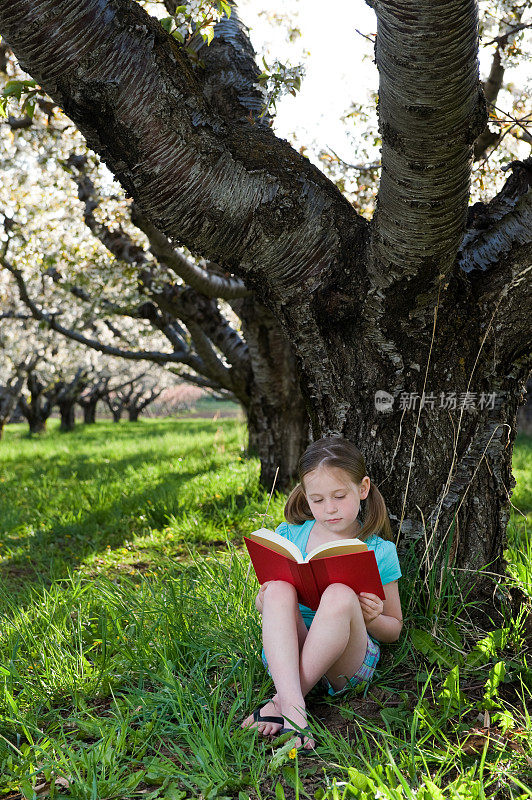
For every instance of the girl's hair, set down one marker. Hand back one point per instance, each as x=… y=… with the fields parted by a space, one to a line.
x=335 y=451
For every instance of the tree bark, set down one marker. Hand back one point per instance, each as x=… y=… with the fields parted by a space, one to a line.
x=37 y=408
x=431 y=109
x=67 y=411
x=89 y=411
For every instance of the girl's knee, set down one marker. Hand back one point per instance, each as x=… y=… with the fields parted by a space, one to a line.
x=280 y=590
x=340 y=598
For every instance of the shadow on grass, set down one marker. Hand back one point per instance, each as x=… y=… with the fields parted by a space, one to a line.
x=71 y=543
x=44 y=540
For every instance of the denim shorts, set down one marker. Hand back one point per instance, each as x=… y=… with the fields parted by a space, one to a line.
x=364 y=673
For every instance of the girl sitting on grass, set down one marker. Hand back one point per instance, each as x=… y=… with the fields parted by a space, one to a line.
x=338 y=643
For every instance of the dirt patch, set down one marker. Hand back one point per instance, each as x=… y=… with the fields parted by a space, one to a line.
x=17 y=576
x=141 y=566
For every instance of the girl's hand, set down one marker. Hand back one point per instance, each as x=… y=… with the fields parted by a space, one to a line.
x=371 y=606
x=259 y=600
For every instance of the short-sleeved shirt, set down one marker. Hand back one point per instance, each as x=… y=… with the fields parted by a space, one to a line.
x=385 y=553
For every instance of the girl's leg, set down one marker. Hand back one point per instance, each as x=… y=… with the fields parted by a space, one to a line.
x=335 y=645
x=337 y=640
x=273 y=706
x=280 y=638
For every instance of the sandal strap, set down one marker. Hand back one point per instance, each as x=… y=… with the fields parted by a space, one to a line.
x=304 y=732
x=257 y=716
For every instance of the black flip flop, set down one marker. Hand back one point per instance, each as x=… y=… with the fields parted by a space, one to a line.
x=301 y=736
x=257 y=717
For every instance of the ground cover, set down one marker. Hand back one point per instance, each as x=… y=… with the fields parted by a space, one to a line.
x=130 y=647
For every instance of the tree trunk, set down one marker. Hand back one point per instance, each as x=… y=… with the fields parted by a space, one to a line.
x=442 y=464
x=37 y=424
x=277 y=418
x=37 y=408
x=133 y=414
x=89 y=411
x=278 y=440
x=9 y=397
x=67 y=410
x=117 y=414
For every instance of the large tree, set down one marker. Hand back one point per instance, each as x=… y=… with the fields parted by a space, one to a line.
x=425 y=300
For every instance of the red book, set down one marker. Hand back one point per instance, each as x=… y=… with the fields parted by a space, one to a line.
x=345 y=561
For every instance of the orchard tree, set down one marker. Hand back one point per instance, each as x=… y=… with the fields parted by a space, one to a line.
x=411 y=329
x=12 y=378
x=134 y=397
x=95 y=390
x=46 y=372
x=41 y=369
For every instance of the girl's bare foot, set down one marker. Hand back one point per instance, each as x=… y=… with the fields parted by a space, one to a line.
x=295 y=718
x=269 y=728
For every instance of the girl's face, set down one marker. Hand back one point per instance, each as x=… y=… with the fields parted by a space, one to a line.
x=334 y=499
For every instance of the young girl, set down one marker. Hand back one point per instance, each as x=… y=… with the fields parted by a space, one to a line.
x=338 y=643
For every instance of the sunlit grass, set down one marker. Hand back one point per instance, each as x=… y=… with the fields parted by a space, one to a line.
x=123 y=494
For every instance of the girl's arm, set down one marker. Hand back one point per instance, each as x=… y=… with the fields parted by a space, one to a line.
x=383 y=620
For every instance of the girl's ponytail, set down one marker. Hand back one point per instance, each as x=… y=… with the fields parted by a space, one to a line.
x=297 y=510
x=376 y=519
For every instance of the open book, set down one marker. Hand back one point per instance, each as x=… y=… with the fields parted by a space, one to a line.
x=345 y=561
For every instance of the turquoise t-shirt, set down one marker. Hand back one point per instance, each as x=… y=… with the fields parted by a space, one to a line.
x=385 y=553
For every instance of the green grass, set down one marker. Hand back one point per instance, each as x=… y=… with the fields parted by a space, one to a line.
x=122 y=494
x=130 y=647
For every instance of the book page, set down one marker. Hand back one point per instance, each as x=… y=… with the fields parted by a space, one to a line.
x=277 y=543
x=337 y=547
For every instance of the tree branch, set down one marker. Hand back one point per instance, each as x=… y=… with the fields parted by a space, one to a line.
x=493 y=84
x=203 y=383
x=15 y=315
x=134 y=312
x=195 y=308
x=504 y=223
x=232 y=192
x=200 y=279
x=213 y=365
x=492 y=87
x=132 y=355
x=431 y=110
x=230 y=73
x=497 y=255
x=502 y=40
